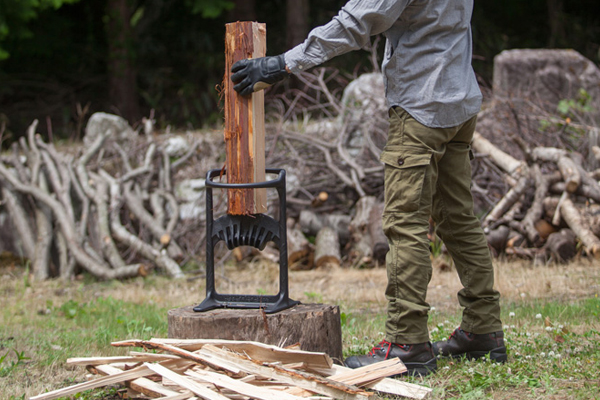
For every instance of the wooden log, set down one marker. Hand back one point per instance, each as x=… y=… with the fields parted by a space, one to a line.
x=505 y=161
x=362 y=244
x=511 y=197
x=298 y=247
x=244 y=122
x=570 y=173
x=327 y=248
x=498 y=238
x=316 y=327
x=311 y=223
x=573 y=218
x=584 y=190
x=548 y=154
x=378 y=239
x=534 y=214
x=561 y=246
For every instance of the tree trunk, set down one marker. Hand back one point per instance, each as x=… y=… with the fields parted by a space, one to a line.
x=297 y=12
x=122 y=74
x=556 y=22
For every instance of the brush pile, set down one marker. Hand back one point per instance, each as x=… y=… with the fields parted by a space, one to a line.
x=221 y=370
x=552 y=208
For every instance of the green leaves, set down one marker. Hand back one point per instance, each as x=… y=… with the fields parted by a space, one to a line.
x=15 y=14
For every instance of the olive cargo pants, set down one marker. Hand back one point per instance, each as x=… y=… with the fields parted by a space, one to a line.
x=428 y=173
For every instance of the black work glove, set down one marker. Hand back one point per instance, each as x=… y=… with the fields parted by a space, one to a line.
x=258 y=73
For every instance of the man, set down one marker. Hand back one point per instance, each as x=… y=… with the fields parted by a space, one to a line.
x=434 y=98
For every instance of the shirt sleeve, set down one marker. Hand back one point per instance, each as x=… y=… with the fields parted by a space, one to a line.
x=351 y=29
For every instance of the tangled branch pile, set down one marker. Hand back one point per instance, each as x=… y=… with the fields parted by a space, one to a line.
x=108 y=210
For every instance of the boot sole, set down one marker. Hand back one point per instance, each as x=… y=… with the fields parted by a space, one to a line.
x=497 y=355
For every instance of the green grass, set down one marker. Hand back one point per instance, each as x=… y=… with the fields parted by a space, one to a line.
x=552 y=343
x=553 y=350
x=42 y=335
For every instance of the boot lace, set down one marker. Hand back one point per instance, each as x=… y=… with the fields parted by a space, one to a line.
x=381 y=345
x=455 y=331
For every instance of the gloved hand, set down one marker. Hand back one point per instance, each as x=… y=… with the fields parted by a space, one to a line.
x=258 y=73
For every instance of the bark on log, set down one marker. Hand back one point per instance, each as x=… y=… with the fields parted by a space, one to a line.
x=573 y=218
x=298 y=247
x=312 y=223
x=548 y=154
x=511 y=197
x=20 y=222
x=244 y=122
x=561 y=246
x=378 y=239
x=498 y=239
x=570 y=173
x=316 y=327
x=43 y=222
x=505 y=161
x=584 y=190
x=361 y=241
x=327 y=248
x=68 y=230
x=534 y=214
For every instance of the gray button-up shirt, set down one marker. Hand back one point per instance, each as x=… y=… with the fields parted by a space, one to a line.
x=427 y=63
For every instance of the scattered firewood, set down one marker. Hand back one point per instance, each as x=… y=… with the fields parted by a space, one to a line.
x=221 y=369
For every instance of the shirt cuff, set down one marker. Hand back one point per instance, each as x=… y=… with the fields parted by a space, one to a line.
x=296 y=61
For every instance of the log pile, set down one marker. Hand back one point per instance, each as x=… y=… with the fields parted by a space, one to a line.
x=550 y=209
x=219 y=370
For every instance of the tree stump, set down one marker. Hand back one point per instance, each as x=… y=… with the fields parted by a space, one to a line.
x=316 y=327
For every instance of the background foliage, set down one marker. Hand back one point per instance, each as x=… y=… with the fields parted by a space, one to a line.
x=55 y=55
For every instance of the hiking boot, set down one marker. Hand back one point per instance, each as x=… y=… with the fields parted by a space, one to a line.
x=472 y=346
x=418 y=358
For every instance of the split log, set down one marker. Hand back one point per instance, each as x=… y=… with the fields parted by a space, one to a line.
x=313 y=383
x=327 y=248
x=244 y=122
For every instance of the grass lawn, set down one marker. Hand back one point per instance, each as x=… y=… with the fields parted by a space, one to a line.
x=551 y=316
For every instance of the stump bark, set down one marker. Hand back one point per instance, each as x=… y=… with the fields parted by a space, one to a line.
x=316 y=327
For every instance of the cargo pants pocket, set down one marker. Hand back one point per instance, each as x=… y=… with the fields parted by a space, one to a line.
x=405 y=170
